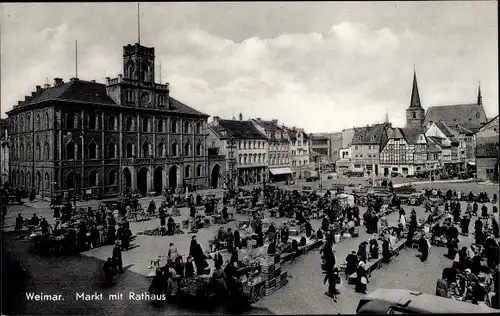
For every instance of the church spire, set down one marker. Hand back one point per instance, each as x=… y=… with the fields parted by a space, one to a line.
x=479 y=97
x=415 y=97
x=386 y=117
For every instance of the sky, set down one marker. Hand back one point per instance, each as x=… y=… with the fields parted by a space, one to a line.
x=322 y=66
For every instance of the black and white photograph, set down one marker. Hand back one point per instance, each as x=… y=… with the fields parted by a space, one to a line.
x=253 y=158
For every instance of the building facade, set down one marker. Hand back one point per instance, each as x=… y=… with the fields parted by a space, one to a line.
x=4 y=151
x=301 y=162
x=278 y=145
x=104 y=139
x=366 y=146
x=487 y=151
x=245 y=149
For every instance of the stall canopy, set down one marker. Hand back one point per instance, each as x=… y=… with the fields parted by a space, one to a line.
x=472 y=163
x=278 y=171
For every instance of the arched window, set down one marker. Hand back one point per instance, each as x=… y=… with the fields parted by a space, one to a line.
x=130 y=150
x=92 y=121
x=175 y=127
x=46 y=151
x=198 y=128
x=187 y=149
x=70 y=150
x=111 y=123
x=241 y=159
x=46 y=182
x=414 y=115
x=21 y=124
x=112 y=177
x=112 y=150
x=160 y=126
x=21 y=152
x=28 y=122
x=145 y=150
x=23 y=179
x=29 y=152
x=175 y=150
x=70 y=121
x=93 y=178
x=130 y=69
x=47 y=120
x=198 y=171
x=199 y=149
x=38 y=123
x=38 y=151
x=130 y=124
x=161 y=150
x=92 y=151
x=187 y=172
x=145 y=125
x=186 y=127
x=254 y=158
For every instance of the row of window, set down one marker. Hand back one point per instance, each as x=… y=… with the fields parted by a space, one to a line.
x=278 y=161
x=130 y=150
x=24 y=125
x=369 y=156
x=252 y=144
x=299 y=152
x=301 y=163
x=131 y=125
x=275 y=147
x=249 y=159
x=370 y=147
x=19 y=152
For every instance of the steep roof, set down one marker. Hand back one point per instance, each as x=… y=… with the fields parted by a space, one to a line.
x=269 y=125
x=93 y=93
x=415 y=97
x=394 y=133
x=487 y=150
x=292 y=133
x=411 y=134
x=370 y=135
x=493 y=121
x=443 y=127
x=470 y=116
x=241 y=129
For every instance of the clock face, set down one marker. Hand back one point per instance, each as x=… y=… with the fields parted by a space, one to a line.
x=145 y=98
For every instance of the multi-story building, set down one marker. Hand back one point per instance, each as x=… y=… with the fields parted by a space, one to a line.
x=366 y=146
x=321 y=144
x=301 y=162
x=83 y=136
x=455 y=144
x=345 y=162
x=4 y=151
x=245 y=148
x=279 y=153
x=347 y=135
x=487 y=152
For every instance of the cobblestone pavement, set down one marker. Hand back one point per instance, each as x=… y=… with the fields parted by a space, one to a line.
x=303 y=294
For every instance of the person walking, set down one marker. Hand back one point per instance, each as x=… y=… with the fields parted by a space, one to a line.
x=362 y=278
x=424 y=248
x=117 y=258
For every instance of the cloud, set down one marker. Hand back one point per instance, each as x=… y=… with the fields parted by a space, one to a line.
x=343 y=75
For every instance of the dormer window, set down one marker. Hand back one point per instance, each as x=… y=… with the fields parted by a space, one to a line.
x=477 y=115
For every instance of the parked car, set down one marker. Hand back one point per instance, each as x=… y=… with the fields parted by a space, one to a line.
x=307 y=189
x=397 y=301
x=416 y=199
x=396 y=175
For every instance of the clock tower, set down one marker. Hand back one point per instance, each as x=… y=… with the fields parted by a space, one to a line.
x=137 y=86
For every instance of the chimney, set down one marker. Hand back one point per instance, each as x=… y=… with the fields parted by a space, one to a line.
x=26 y=98
x=216 y=121
x=108 y=79
x=33 y=94
x=258 y=119
x=19 y=102
x=241 y=117
x=46 y=86
x=58 y=82
x=38 y=89
x=275 y=121
x=93 y=81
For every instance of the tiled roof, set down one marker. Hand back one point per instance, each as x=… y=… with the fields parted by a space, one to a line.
x=487 y=150
x=94 y=93
x=443 y=127
x=269 y=125
x=370 y=135
x=411 y=134
x=493 y=121
x=431 y=147
x=292 y=134
x=241 y=129
x=470 y=116
x=394 y=133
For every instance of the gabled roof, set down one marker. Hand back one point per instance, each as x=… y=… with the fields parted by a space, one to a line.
x=490 y=122
x=82 y=91
x=292 y=133
x=370 y=135
x=470 y=116
x=487 y=150
x=269 y=125
x=241 y=129
x=444 y=128
x=411 y=134
x=393 y=133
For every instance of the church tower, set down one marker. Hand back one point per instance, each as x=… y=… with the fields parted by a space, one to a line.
x=479 y=97
x=415 y=114
x=139 y=63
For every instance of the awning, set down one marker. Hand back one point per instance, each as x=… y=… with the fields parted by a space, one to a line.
x=278 y=171
x=472 y=163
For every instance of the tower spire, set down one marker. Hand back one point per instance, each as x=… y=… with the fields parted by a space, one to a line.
x=138 y=24
x=386 y=116
x=76 y=59
x=479 y=97
x=415 y=97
